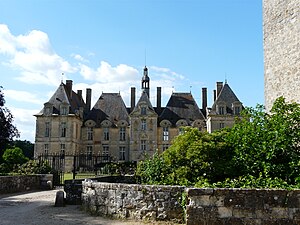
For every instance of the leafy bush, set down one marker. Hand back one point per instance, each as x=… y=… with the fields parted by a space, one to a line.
x=262 y=150
x=34 y=167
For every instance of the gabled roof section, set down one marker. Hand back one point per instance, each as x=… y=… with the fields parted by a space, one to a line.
x=143 y=99
x=226 y=96
x=110 y=106
x=181 y=106
x=61 y=96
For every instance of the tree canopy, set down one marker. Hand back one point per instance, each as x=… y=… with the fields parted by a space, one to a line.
x=261 y=150
x=7 y=130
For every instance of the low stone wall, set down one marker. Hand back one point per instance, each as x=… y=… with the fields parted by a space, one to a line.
x=11 y=184
x=242 y=206
x=203 y=206
x=133 y=201
x=73 y=188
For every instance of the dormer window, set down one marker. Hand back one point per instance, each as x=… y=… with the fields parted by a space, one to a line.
x=48 y=110
x=221 y=110
x=143 y=110
x=64 y=110
x=237 y=110
x=236 y=107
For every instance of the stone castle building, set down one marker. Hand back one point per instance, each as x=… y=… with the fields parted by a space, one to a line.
x=281 y=27
x=68 y=125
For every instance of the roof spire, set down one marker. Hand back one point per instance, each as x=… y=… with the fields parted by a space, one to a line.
x=145 y=57
x=225 y=78
x=62 y=77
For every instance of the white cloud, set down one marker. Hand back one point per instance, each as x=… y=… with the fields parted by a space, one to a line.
x=23 y=96
x=106 y=73
x=79 y=58
x=25 y=122
x=33 y=55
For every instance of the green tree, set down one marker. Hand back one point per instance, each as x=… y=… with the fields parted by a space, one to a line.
x=26 y=146
x=193 y=156
x=7 y=130
x=14 y=156
x=267 y=144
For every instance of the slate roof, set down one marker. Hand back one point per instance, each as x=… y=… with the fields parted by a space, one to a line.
x=226 y=96
x=110 y=106
x=61 y=96
x=181 y=106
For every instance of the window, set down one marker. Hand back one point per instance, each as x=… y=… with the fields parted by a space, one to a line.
x=237 y=110
x=63 y=129
x=105 y=151
x=122 y=133
x=143 y=110
x=165 y=133
x=122 y=153
x=144 y=124
x=46 y=149
x=165 y=147
x=47 y=110
x=90 y=133
x=62 y=149
x=221 y=110
x=106 y=133
x=89 y=152
x=222 y=125
x=143 y=145
x=63 y=110
x=47 y=129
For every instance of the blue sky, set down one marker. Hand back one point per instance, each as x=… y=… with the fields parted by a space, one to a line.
x=102 y=45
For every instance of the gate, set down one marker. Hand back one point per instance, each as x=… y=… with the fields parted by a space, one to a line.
x=57 y=164
x=74 y=166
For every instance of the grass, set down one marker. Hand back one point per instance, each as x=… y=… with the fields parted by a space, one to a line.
x=69 y=176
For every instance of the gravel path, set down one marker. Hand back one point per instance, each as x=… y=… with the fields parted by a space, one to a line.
x=37 y=208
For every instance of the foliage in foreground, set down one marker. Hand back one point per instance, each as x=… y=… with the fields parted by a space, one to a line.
x=7 y=130
x=261 y=151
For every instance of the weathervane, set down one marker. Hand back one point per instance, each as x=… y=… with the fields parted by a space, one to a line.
x=62 y=77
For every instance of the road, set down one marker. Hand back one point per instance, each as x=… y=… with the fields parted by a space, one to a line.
x=37 y=208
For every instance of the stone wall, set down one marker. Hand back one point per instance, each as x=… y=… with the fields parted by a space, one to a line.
x=203 y=206
x=132 y=201
x=10 y=184
x=281 y=27
x=242 y=206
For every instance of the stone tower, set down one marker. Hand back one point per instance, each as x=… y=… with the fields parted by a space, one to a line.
x=281 y=27
x=146 y=82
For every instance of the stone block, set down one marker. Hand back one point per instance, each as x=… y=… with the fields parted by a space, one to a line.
x=60 y=199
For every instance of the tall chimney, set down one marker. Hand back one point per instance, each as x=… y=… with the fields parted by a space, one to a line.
x=69 y=84
x=132 y=99
x=219 y=88
x=204 y=99
x=79 y=93
x=158 y=99
x=88 y=99
x=215 y=95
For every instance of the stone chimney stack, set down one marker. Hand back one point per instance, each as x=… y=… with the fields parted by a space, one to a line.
x=219 y=88
x=158 y=100
x=132 y=99
x=88 y=99
x=79 y=93
x=204 y=99
x=215 y=95
x=69 y=84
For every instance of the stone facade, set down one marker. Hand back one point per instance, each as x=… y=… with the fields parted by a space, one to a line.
x=281 y=28
x=67 y=125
